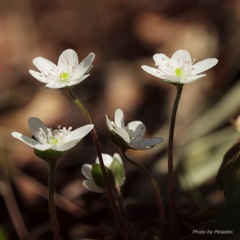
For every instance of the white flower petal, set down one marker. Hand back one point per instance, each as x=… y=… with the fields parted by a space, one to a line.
x=38 y=76
x=56 y=85
x=62 y=147
x=78 y=133
x=161 y=59
x=44 y=65
x=90 y=185
x=87 y=171
x=182 y=58
x=172 y=78
x=67 y=58
x=31 y=142
x=203 y=65
x=109 y=124
x=85 y=65
x=123 y=134
x=119 y=118
x=136 y=129
x=107 y=159
x=77 y=80
x=35 y=124
x=146 y=143
x=120 y=131
x=73 y=138
x=193 y=78
x=153 y=71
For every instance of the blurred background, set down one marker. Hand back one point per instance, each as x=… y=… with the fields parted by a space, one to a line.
x=124 y=35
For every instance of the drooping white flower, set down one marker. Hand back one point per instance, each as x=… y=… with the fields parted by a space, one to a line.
x=180 y=68
x=61 y=139
x=67 y=73
x=130 y=136
x=114 y=169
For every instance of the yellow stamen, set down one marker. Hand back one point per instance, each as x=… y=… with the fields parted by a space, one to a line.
x=179 y=72
x=64 y=77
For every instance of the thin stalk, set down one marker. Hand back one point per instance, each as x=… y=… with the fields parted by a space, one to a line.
x=154 y=187
x=122 y=213
x=51 y=201
x=99 y=154
x=170 y=162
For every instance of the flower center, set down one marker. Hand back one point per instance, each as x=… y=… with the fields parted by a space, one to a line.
x=52 y=137
x=64 y=77
x=179 y=72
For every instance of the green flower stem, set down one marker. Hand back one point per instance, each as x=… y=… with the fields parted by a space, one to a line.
x=51 y=200
x=170 y=161
x=154 y=187
x=111 y=198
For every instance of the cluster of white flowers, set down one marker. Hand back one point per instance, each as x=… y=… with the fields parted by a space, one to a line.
x=179 y=69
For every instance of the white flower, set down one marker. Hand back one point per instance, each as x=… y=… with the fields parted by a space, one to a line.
x=180 y=68
x=130 y=135
x=67 y=73
x=115 y=172
x=45 y=138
